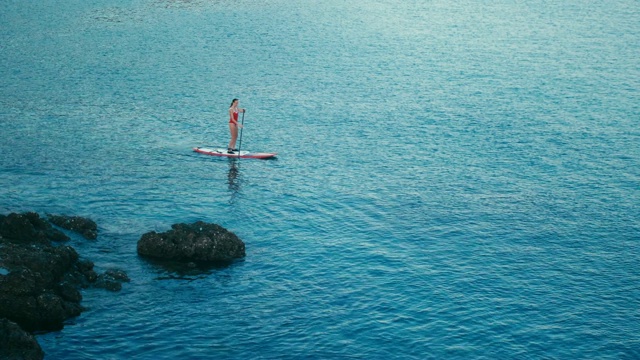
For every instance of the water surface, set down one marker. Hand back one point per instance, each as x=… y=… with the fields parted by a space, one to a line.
x=453 y=180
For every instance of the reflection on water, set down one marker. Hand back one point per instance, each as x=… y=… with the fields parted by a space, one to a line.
x=234 y=179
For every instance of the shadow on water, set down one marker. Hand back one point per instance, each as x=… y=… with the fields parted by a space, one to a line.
x=186 y=270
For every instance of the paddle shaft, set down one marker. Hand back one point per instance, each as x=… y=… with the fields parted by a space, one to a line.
x=241 y=128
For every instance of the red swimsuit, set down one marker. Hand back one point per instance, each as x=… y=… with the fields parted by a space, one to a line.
x=235 y=117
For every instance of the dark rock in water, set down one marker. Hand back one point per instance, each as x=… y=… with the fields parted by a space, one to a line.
x=28 y=227
x=112 y=280
x=85 y=227
x=40 y=282
x=85 y=274
x=199 y=241
x=33 y=293
x=68 y=292
x=108 y=283
x=117 y=275
x=16 y=343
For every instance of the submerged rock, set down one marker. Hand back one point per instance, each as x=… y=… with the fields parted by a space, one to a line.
x=85 y=227
x=16 y=343
x=200 y=241
x=112 y=280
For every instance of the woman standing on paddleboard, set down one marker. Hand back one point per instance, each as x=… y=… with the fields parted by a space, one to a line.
x=233 y=125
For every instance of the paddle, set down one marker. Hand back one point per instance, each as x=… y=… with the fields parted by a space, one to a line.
x=241 y=128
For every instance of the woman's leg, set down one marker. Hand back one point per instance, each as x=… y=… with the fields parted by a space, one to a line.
x=234 y=135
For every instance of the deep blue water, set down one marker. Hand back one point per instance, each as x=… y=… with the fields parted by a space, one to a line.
x=455 y=180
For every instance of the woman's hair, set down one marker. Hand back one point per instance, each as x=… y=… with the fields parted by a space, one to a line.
x=232 y=101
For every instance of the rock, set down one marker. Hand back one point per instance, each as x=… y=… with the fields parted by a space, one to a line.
x=85 y=227
x=199 y=241
x=39 y=283
x=108 y=283
x=118 y=275
x=33 y=294
x=112 y=280
x=17 y=344
x=69 y=292
x=28 y=227
x=49 y=262
x=83 y=274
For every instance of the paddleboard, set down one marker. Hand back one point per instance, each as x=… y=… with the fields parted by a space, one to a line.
x=242 y=154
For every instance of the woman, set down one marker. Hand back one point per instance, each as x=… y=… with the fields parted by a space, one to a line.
x=233 y=125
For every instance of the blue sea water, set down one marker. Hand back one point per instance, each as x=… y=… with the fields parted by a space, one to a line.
x=455 y=180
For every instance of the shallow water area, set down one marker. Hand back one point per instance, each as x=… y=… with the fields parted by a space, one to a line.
x=453 y=180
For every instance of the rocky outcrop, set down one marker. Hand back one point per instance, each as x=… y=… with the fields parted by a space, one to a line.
x=29 y=228
x=40 y=280
x=85 y=227
x=18 y=344
x=37 y=293
x=199 y=242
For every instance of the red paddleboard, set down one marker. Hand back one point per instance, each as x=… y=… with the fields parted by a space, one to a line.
x=241 y=154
